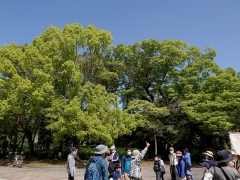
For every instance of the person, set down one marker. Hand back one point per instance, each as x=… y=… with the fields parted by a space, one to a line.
x=18 y=161
x=223 y=171
x=159 y=167
x=135 y=170
x=126 y=163
x=238 y=163
x=108 y=160
x=162 y=168
x=206 y=174
x=115 y=155
x=6 y=147
x=189 y=175
x=187 y=157
x=116 y=173
x=181 y=166
x=208 y=157
x=173 y=163
x=102 y=168
x=71 y=170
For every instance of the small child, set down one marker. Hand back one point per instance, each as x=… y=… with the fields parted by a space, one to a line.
x=159 y=167
x=116 y=174
x=189 y=175
x=207 y=175
x=18 y=161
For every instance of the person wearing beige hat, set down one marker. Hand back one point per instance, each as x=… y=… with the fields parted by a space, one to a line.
x=208 y=157
x=223 y=171
x=135 y=170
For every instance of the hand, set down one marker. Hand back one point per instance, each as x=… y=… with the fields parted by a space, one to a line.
x=147 y=144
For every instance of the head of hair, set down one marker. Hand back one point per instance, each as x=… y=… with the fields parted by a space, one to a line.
x=127 y=148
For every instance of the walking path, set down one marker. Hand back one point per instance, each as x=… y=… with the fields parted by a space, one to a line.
x=59 y=173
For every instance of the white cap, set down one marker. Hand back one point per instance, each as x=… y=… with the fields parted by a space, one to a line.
x=113 y=147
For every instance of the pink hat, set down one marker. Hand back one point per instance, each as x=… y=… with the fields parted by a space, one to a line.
x=178 y=153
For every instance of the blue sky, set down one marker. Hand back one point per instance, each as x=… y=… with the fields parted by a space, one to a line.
x=214 y=23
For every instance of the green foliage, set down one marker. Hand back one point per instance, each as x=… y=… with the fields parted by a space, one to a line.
x=72 y=82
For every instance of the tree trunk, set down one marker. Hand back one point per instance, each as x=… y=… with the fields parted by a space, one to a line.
x=16 y=136
x=155 y=141
x=30 y=142
x=15 y=143
x=75 y=142
x=21 y=147
x=60 y=148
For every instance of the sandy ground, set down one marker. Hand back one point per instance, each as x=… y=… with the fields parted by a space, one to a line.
x=59 y=173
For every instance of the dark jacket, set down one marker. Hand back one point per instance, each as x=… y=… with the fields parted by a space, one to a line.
x=115 y=157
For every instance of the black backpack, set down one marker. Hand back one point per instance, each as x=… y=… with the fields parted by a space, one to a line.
x=111 y=167
x=156 y=166
x=187 y=166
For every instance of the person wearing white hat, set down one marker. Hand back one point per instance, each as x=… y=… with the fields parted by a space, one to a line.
x=115 y=155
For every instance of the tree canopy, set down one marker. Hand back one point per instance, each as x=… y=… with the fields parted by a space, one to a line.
x=73 y=85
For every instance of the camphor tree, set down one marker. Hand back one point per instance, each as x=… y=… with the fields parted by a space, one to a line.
x=157 y=79
x=55 y=82
x=80 y=107
x=25 y=87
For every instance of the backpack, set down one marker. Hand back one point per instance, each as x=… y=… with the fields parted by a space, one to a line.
x=156 y=166
x=111 y=167
x=92 y=172
x=187 y=166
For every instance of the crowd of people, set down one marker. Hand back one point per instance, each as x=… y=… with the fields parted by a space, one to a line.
x=106 y=165
x=221 y=166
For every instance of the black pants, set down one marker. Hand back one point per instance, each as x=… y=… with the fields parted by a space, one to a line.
x=173 y=172
x=160 y=175
x=70 y=177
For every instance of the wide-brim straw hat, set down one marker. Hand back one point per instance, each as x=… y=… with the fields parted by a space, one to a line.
x=208 y=153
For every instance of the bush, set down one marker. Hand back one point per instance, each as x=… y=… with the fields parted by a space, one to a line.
x=84 y=153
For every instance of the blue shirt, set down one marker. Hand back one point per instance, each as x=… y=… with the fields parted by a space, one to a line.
x=116 y=175
x=187 y=158
x=126 y=164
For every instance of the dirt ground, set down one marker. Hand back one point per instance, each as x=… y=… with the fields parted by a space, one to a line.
x=56 y=170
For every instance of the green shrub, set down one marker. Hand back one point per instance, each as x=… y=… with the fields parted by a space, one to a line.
x=84 y=153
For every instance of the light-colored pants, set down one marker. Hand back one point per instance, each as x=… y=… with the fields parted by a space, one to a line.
x=126 y=176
